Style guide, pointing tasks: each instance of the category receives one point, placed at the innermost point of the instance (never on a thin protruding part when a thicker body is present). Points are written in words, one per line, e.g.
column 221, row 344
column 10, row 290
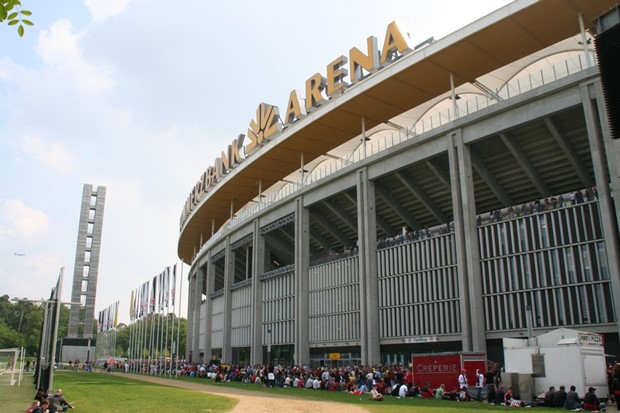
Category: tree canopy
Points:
column 13, row 14
column 21, row 321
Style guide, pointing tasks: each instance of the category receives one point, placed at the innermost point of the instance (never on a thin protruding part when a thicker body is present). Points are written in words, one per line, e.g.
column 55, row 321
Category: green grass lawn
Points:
column 105, row 393
column 17, row 398
column 389, row 404
column 98, row 393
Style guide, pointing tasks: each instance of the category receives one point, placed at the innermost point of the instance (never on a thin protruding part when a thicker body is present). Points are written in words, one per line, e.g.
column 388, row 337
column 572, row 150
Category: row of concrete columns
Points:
column 466, row 235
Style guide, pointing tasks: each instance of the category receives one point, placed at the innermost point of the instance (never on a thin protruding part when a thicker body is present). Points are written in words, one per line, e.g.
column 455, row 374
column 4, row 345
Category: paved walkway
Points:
column 255, row 402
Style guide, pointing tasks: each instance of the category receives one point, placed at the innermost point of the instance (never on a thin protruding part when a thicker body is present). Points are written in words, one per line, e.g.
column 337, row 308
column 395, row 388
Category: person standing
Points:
column 463, row 379
column 615, row 382
column 479, row 385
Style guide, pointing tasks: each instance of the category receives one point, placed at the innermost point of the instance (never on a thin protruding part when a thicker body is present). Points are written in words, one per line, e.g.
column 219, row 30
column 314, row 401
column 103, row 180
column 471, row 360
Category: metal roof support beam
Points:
column 288, row 236
column 422, row 196
column 320, row 239
column 383, row 224
column 490, row 180
column 281, row 249
column 395, row 205
column 569, row 152
column 525, row 164
column 342, row 214
column 331, row 228
column 443, row 177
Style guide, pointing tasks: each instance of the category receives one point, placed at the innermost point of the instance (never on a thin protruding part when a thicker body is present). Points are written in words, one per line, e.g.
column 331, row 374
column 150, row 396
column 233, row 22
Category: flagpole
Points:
column 180, row 305
column 166, row 313
column 173, row 346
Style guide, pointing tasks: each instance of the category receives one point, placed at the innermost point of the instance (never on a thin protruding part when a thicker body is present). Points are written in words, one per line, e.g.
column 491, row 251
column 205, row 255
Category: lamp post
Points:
column 49, row 333
column 268, row 347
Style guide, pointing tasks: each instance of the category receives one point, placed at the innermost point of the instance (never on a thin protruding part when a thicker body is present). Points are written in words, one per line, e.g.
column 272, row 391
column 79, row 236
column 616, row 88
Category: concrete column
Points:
column 198, row 292
column 191, row 308
column 209, row 270
column 466, row 238
column 302, row 284
column 258, row 267
column 600, row 139
column 369, row 286
column 228, row 278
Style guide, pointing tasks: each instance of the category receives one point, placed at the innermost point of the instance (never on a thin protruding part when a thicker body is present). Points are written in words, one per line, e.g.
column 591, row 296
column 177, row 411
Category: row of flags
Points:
column 154, row 295
column 108, row 318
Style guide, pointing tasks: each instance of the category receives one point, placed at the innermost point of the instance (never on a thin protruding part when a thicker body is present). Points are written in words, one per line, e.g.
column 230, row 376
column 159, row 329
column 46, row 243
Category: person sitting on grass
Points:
column 464, row 395
column 376, row 396
column 508, row 396
column 34, row 405
column 42, row 407
column 41, row 394
column 442, row 394
column 426, row 392
column 62, row 405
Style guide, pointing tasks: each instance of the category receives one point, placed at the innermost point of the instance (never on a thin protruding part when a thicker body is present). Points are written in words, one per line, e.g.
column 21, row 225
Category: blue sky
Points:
column 141, row 96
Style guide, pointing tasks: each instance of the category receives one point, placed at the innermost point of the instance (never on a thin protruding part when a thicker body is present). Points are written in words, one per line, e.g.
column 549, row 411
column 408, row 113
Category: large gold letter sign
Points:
column 266, row 124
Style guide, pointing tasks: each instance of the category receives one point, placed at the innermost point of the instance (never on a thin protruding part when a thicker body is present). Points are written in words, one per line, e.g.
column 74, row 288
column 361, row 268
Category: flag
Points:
column 167, row 286
column 174, row 282
column 132, row 308
column 153, row 294
column 115, row 318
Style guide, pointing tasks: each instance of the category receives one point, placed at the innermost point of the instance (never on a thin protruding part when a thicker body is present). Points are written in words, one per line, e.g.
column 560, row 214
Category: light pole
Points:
column 268, row 346
column 49, row 332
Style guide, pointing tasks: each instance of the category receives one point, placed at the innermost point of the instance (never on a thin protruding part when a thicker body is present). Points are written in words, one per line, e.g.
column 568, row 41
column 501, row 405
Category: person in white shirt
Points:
column 402, row 391
column 463, row 379
column 479, row 384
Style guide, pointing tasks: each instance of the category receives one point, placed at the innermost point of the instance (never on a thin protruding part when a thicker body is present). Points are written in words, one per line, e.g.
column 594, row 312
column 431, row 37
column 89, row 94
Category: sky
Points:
column 141, row 96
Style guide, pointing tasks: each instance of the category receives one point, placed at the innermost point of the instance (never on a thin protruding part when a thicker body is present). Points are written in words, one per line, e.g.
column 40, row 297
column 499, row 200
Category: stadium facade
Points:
column 416, row 199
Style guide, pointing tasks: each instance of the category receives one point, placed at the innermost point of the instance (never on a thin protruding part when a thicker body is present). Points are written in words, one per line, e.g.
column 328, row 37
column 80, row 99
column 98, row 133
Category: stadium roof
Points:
column 513, row 32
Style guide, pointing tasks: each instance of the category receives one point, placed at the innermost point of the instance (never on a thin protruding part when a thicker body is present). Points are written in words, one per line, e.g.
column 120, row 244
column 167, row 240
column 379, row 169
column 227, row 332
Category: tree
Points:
column 11, row 11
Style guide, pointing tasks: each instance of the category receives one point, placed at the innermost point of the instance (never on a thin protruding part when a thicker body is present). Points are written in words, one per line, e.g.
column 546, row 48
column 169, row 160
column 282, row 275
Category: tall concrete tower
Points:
column 87, row 263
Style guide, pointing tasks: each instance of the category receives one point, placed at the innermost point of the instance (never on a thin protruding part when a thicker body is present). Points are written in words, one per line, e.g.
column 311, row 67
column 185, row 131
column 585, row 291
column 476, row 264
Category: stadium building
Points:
column 416, row 199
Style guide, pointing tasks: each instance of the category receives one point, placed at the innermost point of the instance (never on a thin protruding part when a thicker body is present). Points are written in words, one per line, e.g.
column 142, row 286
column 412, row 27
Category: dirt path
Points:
column 251, row 401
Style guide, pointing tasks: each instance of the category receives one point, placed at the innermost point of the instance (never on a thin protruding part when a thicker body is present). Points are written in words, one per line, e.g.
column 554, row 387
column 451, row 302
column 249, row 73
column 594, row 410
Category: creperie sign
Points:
column 436, row 368
column 318, row 90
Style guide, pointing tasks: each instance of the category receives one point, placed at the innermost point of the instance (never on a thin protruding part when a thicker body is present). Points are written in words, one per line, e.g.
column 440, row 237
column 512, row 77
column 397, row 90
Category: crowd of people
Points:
column 407, row 236
column 397, row 381
column 45, row 402
column 377, row 382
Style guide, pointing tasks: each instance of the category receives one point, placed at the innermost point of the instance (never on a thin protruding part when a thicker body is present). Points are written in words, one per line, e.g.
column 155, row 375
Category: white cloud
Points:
column 59, row 48
column 102, row 9
column 51, row 154
column 21, row 222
